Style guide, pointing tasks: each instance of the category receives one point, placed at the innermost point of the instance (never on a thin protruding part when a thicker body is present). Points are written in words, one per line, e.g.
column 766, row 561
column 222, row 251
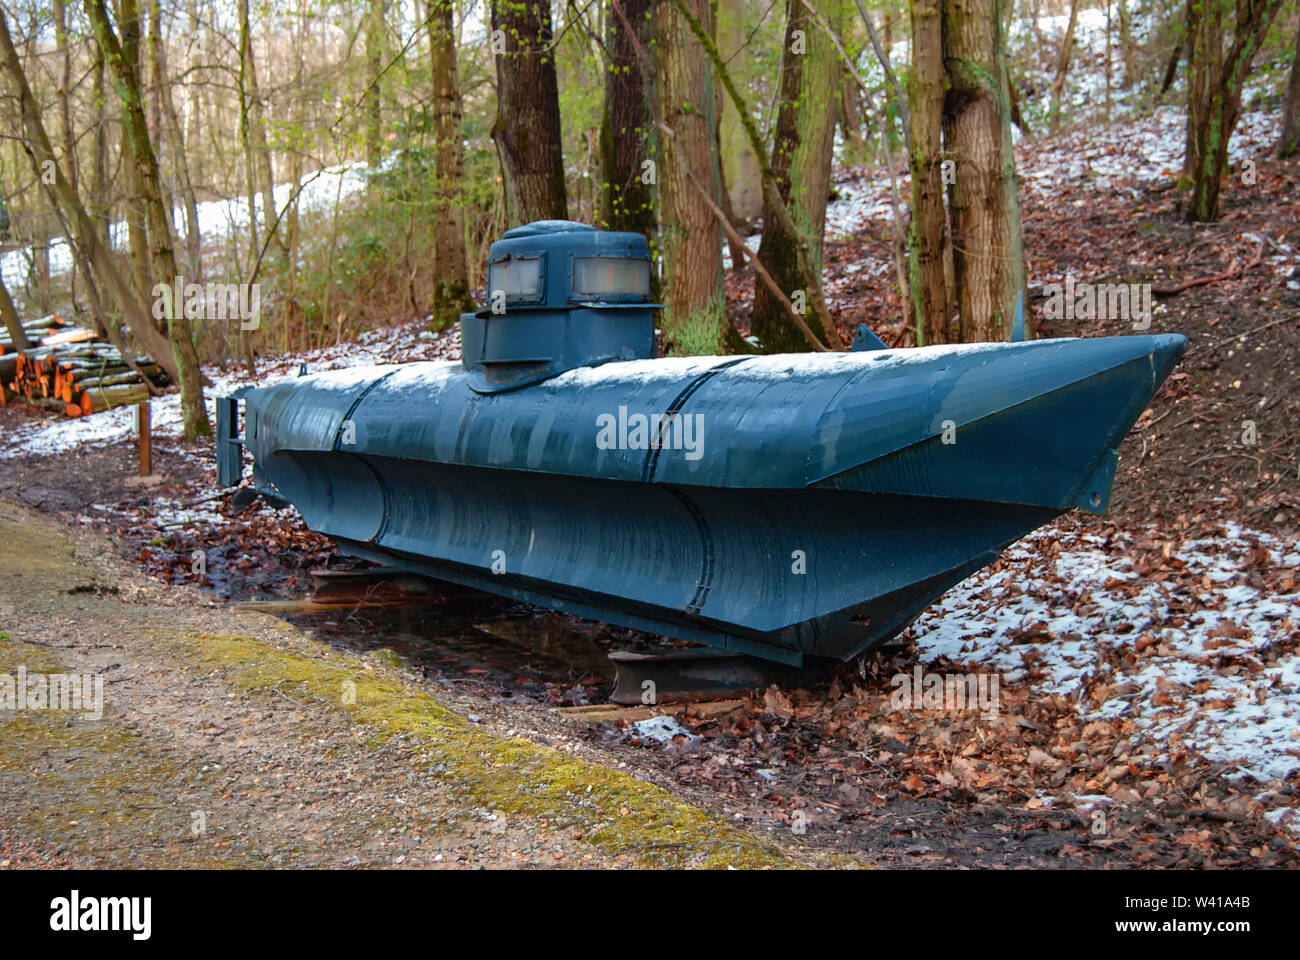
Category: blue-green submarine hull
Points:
column 779, row 506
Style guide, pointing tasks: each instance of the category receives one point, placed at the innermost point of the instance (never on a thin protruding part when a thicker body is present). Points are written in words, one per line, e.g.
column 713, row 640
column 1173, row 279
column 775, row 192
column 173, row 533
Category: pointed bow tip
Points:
column 1166, row 350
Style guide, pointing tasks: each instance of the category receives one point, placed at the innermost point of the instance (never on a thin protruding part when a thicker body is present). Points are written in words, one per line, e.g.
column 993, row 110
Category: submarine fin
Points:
column 864, row 339
column 1018, row 326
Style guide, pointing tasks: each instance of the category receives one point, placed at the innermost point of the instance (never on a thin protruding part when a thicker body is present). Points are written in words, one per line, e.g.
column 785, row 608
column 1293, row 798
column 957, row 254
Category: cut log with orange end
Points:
column 67, row 336
column 106, row 398
column 73, row 410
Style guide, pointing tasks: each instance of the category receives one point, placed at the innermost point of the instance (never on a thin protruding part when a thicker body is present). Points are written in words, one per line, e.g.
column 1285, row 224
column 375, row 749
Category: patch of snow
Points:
column 661, row 729
column 1211, row 670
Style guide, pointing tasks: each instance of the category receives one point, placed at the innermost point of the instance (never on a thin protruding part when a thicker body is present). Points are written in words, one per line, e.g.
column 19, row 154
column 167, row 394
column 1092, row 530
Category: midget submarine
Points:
column 784, row 507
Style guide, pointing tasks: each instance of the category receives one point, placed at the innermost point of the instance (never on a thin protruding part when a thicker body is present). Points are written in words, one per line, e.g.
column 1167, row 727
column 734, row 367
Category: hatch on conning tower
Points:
column 560, row 295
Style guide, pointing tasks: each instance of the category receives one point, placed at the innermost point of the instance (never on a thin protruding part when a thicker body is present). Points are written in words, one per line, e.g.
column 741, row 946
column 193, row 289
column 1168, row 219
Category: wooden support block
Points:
column 144, row 432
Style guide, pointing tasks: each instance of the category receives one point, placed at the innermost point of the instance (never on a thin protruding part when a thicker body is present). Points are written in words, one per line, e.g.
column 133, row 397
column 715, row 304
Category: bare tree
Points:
column 801, row 161
column 695, row 321
column 451, row 272
column 527, row 127
column 145, row 163
column 1063, row 64
column 1215, row 74
column 1289, row 142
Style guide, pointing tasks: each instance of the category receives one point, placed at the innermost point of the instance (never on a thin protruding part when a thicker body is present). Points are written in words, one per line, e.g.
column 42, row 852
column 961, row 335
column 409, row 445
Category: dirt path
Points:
column 228, row 739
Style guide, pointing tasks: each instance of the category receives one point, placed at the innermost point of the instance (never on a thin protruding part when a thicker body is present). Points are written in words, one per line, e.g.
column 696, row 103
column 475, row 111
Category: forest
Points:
column 924, row 281
column 352, row 162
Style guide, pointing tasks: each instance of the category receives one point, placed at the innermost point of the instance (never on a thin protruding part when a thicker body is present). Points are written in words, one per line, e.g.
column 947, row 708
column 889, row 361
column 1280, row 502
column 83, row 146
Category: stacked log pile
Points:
column 70, row 369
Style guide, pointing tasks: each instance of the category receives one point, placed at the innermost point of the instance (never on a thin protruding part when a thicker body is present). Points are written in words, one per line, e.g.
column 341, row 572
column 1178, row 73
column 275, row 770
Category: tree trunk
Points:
column 1063, row 64
column 695, row 321
column 527, row 127
column 144, row 160
column 172, row 126
column 65, row 79
column 137, row 236
column 771, row 195
column 1127, row 48
column 451, row 273
column 1171, row 69
column 988, row 254
column 374, row 63
column 246, row 148
column 1289, row 142
column 265, row 160
column 291, row 309
column 100, row 205
column 739, row 165
column 197, row 66
column 252, row 120
column 153, row 102
column 40, row 272
column 927, row 239
column 72, row 165
column 13, row 324
column 851, row 121
column 735, row 244
column 801, row 161
column 1039, row 46
column 1214, row 82
column 250, row 165
column 627, row 135
column 882, row 57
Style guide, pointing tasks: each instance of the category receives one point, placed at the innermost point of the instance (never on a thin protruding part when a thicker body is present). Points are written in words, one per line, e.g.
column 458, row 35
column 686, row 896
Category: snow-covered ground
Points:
column 1091, row 155
column 1216, row 669
column 1125, row 153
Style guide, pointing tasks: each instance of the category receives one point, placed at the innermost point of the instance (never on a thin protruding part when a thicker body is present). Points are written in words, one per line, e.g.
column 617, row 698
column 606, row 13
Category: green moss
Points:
column 613, row 810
